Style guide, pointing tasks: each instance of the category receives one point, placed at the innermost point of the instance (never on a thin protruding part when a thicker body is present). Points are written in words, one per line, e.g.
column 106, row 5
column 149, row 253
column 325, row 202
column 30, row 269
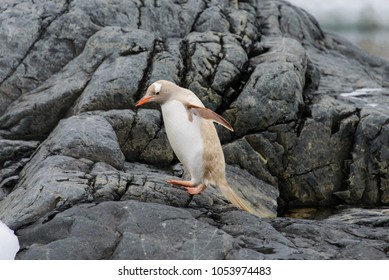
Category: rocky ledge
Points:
column 82, row 171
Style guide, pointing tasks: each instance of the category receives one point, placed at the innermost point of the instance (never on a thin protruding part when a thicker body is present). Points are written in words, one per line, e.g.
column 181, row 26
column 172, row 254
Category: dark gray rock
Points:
column 177, row 20
column 21, row 54
column 50, row 35
column 261, row 195
column 9, row 175
column 139, row 230
column 334, row 125
column 90, row 137
column 141, row 135
column 13, row 156
column 83, row 171
column 214, row 62
column 148, row 184
column 212, row 19
column 280, row 17
column 37, row 112
column 367, row 217
column 242, row 153
column 273, row 93
column 126, row 230
column 15, row 149
column 370, row 160
column 55, row 182
column 138, row 182
column 168, row 61
column 334, row 239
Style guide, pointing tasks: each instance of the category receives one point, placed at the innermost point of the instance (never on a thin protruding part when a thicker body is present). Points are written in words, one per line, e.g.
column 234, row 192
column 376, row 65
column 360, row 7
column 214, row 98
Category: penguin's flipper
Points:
column 209, row 115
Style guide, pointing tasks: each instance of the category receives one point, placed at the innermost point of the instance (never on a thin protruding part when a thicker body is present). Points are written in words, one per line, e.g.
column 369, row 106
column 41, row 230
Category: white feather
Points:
column 9, row 243
column 157, row 87
column 184, row 137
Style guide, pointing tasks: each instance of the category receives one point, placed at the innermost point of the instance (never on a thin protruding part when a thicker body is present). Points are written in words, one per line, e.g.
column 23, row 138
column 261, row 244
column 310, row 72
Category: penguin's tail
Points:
column 239, row 202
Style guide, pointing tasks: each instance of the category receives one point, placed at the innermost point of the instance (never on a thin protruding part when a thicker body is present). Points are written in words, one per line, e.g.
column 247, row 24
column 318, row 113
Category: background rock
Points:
column 80, row 164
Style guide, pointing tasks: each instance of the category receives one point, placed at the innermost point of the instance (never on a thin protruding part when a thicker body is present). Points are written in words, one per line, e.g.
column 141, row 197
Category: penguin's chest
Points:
column 185, row 137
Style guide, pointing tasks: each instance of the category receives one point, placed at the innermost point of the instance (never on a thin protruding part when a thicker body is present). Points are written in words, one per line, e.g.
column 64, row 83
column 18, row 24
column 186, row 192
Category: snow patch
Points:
column 9, row 243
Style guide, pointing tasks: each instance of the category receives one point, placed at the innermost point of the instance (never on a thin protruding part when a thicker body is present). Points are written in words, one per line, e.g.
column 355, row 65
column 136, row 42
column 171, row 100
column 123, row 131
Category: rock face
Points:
column 82, row 171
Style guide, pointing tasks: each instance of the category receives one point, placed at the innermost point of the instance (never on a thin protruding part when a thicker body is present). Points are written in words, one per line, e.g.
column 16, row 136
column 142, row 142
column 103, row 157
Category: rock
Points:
column 57, row 174
column 242, row 153
column 336, row 239
column 243, row 23
column 56, row 182
column 370, row 160
column 334, row 124
column 90, row 137
column 143, row 183
column 212, row 19
column 29, row 21
column 13, row 156
column 83, row 171
column 367, row 217
column 9, row 175
column 138, row 230
column 262, row 196
column 150, row 185
column 15, row 149
column 215, row 62
column 273, row 93
column 37, row 112
column 168, row 61
column 177, row 21
column 142, row 136
column 128, row 230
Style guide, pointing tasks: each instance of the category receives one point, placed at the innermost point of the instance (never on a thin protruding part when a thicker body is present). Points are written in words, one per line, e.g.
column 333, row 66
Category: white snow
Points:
column 9, row 243
column 360, row 92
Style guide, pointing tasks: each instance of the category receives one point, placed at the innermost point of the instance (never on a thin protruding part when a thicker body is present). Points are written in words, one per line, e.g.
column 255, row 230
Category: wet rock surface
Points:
column 82, row 171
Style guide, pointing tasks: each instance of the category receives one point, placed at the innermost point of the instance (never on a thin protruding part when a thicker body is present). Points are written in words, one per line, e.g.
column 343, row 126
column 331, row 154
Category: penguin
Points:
column 193, row 137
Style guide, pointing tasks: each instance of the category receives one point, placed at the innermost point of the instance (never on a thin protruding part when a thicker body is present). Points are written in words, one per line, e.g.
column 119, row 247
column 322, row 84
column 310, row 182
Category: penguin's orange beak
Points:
column 144, row 100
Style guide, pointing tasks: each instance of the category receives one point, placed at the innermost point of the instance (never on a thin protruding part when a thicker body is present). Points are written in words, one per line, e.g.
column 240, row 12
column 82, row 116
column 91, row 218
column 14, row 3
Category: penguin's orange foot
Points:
column 195, row 190
column 184, row 184
column 188, row 185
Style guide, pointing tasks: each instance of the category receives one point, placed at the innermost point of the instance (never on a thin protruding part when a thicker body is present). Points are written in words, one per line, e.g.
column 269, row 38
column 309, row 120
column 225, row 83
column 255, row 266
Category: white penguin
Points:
column 193, row 137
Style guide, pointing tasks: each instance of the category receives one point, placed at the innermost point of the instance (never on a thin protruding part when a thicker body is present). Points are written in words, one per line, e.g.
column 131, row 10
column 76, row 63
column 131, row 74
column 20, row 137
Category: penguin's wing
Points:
column 207, row 114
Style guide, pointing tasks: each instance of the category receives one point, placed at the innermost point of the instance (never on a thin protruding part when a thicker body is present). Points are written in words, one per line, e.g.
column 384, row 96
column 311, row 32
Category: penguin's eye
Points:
column 157, row 92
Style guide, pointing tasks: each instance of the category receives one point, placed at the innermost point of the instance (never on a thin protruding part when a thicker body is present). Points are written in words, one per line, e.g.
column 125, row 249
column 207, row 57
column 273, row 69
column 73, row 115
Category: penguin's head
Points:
column 159, row 92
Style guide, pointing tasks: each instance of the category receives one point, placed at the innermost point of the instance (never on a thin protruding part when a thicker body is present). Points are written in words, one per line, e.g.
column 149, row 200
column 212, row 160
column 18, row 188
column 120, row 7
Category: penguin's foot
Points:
column 188, row 185
column 184, row 184
column 195, row 190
